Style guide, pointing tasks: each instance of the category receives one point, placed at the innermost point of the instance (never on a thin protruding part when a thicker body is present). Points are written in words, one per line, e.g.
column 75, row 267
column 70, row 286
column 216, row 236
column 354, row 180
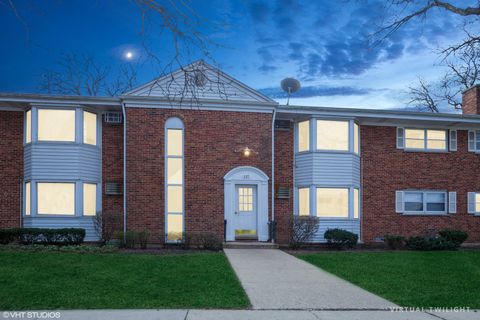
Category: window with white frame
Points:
column 425, row 202
column 332, row 202
column 89, row 199
column 304, row 201
column 332, row 135
column 356, row 203
column 27, row 198
column 89, row 128
column 426, row 139
column 56, row 198
column 304, row 136
column 474, row 140
column 356, row 138
column 28, row 126
column 174, row 180
column 56, row 125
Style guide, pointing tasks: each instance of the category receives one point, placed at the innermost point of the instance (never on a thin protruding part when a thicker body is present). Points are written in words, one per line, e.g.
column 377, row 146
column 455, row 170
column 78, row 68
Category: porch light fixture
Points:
column 246, row 151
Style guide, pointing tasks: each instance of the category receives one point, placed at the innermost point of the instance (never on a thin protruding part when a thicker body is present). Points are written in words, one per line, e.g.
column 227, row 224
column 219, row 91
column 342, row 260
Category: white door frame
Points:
column 246, row 175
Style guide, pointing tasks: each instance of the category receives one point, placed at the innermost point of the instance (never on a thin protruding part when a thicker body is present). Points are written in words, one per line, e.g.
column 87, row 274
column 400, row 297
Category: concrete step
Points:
column 249, row 245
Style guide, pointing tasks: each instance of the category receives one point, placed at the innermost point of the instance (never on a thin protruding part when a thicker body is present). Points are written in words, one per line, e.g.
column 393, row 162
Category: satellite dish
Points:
column 290, row 85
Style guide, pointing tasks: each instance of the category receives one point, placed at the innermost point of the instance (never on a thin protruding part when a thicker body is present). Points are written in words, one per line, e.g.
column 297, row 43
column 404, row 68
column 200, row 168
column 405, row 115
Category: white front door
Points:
column 245, row 218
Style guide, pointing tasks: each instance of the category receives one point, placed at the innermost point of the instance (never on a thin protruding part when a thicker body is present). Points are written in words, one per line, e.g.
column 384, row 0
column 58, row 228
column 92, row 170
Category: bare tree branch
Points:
column 423, row 97
column 82, row 75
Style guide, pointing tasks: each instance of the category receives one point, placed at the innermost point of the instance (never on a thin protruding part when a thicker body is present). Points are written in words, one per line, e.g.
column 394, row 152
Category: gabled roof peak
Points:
column 199, row 81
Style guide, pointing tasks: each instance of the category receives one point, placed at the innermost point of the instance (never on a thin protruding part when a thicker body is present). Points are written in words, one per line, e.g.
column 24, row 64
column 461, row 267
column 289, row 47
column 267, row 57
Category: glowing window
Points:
column 56, row 198
column 332, row 202
column 89, row 128
column 332, row 135
column 304, row 136
column 56, row 125
column 89, row 199
column 28, row 126
column 304, row 201
column 27, row 198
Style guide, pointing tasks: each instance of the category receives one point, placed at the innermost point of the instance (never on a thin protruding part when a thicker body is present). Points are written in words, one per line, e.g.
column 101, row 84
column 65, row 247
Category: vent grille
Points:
column 113, row 117
column 113, row 188
column 283, row 125
column 282, row 192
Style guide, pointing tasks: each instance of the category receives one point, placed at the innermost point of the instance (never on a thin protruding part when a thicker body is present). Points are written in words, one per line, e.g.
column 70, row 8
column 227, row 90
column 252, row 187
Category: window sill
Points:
column 425, row 151
column 425, row 214
column 56, row 216
column 328, row 152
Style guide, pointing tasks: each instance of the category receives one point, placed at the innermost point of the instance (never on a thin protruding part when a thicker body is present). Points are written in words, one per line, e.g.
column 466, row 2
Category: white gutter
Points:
column 273, row 168
column 124, row 114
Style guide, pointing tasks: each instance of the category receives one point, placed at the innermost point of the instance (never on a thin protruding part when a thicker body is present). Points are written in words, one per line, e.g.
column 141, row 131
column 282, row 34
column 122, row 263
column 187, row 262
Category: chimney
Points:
column 471, row 100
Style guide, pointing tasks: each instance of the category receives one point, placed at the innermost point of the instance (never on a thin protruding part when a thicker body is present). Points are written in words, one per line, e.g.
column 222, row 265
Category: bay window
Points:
column 89, row 199
column 356, row 203
column 304, row 136
column 332, row 135
column 28, row 126
column 89, row 128
column 304, row 201
column 56, row 198
column 27, row 198
column 56, row 125
column 332, row 202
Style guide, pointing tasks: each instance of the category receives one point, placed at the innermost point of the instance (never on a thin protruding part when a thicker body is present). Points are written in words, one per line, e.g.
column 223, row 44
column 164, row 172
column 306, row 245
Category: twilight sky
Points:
column 325, row 44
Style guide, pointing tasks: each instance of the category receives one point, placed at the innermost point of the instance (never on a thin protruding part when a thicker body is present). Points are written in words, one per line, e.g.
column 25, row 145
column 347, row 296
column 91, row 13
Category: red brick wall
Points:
column 284, row 176
column 112, row 171
column 211, row 138
column 387, row 169
column 11, row 167
column 471, row 101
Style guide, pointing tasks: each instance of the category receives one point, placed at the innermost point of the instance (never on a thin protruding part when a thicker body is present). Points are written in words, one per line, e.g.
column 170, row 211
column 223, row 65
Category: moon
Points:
column 129, row 55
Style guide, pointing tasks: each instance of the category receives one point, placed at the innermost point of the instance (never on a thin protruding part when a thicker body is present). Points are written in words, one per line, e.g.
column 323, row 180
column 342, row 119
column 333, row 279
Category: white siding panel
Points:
column 62, row 162
column 325, row 168
column 64, row 222
column 345, row 224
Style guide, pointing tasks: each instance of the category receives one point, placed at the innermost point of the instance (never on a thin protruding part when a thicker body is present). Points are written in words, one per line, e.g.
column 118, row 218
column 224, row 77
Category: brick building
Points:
column 200, row 152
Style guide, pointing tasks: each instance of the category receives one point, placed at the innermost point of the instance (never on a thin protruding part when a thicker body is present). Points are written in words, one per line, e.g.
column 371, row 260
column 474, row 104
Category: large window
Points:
column 56, row 125
column 425, row 139
column 174, row 179
column 332, row 202
column 425, row 202
column 89, row 128
column 332, row 135
column 56, row 198
column 89, row 199
column 304, row 136
column 304, row 201
column 28, row 126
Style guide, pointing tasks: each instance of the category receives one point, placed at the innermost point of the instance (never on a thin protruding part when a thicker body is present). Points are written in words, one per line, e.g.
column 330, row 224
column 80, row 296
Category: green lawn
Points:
column 410, row 278
column 90, row 281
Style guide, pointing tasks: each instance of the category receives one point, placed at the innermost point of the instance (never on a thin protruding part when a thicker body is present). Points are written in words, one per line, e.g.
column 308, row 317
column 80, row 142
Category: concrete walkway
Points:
column 274, row 279
column 237, row 315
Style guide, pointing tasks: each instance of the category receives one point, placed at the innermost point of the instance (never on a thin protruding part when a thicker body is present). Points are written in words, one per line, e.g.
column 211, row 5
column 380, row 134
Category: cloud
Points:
column 318, row 91
column 332, row 39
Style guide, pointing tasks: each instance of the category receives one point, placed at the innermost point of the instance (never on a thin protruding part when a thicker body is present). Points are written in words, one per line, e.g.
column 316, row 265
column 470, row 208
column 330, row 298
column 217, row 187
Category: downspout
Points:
column 273, row 170
column 124, row 114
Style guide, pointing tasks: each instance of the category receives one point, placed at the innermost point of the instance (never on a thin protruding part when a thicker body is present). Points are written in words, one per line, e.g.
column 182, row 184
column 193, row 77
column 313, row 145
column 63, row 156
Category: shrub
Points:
column 206, row 241
column 456, row 236
column 8, row 235
column 394, row 241
column 65, row 236
column 340, row 239
column 426, row 243
column 143, row 237
column 54, row 248
column 106, row 225
column 302, row 230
